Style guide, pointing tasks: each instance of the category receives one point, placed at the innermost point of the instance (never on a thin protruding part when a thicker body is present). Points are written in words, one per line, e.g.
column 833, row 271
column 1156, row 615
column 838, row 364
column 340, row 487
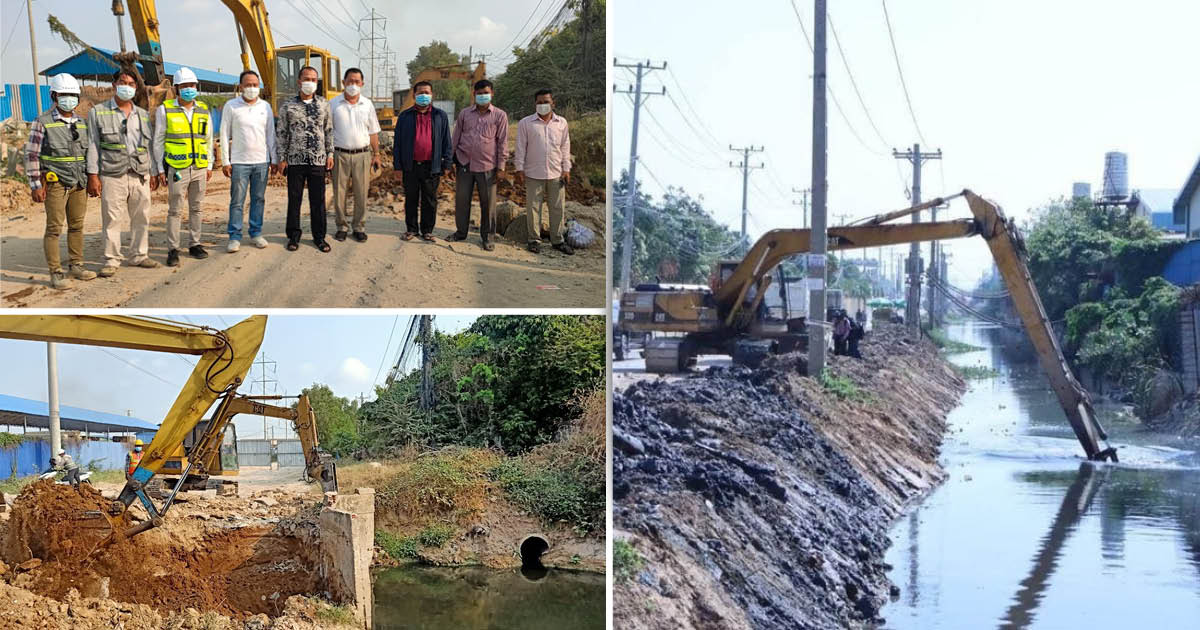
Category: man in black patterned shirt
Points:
column 304, row 142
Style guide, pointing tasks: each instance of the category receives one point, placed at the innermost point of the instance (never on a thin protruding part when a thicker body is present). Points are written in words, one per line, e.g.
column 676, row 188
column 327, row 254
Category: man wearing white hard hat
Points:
column 54, row 163
column 118, row 166
column 183, row 160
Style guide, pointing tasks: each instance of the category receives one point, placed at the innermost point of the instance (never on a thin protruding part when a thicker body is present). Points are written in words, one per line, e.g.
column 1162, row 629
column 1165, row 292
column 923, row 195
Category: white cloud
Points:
column 486, row 35
column 352, row 378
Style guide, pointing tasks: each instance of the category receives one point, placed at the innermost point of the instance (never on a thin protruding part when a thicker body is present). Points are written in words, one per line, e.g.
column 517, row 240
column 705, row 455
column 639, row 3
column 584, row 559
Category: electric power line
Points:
column 395, row 320
column 854, row 84
column 135, row 366
column 508, row 48
column 896, row 55
column 8, row 40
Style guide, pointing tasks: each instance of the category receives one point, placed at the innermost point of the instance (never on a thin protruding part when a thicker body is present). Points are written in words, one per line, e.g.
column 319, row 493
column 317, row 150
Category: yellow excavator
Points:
column 279, row 67
column 729, row 316
column 225, row 357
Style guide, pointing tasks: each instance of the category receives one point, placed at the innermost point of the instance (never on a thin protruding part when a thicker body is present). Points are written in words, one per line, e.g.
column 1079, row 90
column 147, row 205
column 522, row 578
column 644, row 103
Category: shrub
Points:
column 396, row 547
column 841, row 386
column 436, row 535
column 626, row 561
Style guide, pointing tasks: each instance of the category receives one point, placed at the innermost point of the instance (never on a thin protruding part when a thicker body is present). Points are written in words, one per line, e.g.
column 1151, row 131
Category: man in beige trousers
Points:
column 544, row 156
column 118, row 167
column 183, row 146
column 355, row 141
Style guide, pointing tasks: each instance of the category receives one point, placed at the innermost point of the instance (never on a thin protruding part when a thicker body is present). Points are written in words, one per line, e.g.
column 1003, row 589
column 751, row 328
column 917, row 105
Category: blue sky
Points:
column 201, row 32
column 1024, row 97
column 345, row 352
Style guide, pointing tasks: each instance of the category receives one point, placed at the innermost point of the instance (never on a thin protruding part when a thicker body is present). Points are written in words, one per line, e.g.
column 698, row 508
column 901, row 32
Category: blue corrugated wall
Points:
column 33, row 456
column 29, row 107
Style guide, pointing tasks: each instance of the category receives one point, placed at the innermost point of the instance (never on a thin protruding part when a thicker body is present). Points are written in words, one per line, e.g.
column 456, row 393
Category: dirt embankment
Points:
column 761, row 498
column 228, row 561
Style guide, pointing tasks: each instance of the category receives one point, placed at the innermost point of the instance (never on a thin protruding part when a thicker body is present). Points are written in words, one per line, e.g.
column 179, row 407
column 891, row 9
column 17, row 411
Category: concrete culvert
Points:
column 532, row 548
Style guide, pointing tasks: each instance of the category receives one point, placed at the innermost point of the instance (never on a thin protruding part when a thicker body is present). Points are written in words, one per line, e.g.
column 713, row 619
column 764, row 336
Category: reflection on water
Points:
column 1023, row 535
column 469, row 598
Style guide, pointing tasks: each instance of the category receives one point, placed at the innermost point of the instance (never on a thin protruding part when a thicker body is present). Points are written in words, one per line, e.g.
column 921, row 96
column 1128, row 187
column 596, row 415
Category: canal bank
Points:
column 762, row 498
column 1023, row 534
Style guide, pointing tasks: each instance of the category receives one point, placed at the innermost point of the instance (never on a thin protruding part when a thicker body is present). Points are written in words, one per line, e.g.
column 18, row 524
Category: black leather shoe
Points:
column 487, row 245
column 534, row 247
column 564, row 248
column 173, row 258
column 340, row 236
column 197, row 251
column 361, row 237
column 455, row 237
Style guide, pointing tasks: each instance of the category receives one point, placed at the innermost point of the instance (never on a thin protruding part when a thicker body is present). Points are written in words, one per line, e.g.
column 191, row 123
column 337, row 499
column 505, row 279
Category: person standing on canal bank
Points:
column 544, row 155
column 183, row 142
column 419, row 153
column 355, row 141
column 247, row 153
column 480, row 144
column 304, row 142
column 118, row 166
column 58, row 142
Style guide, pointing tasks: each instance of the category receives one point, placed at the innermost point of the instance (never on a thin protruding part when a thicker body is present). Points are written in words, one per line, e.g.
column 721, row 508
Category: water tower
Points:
column 1116, row 175
column 1081, row 190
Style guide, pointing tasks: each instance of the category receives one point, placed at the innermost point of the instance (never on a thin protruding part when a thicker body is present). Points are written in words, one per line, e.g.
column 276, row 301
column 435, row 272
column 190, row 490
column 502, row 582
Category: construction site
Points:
column 390, row 271
column 201, row 534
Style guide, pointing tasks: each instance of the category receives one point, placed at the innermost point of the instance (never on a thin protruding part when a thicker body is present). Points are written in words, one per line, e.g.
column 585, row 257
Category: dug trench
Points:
column 761, row 498
column 241, row 565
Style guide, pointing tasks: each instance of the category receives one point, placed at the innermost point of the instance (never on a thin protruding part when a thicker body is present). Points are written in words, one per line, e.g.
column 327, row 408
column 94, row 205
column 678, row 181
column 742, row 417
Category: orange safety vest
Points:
column 132, row 460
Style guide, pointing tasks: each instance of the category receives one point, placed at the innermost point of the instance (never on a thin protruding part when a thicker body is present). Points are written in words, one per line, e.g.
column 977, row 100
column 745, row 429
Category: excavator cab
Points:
column 288, row 62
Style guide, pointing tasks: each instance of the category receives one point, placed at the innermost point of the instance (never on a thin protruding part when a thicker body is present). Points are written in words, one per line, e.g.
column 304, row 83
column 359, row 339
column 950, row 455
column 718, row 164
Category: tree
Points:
column 437, row 54
column 337, row 419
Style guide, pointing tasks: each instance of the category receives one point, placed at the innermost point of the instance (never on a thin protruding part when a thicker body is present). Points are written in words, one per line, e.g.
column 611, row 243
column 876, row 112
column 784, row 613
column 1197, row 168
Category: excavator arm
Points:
column 225, row 357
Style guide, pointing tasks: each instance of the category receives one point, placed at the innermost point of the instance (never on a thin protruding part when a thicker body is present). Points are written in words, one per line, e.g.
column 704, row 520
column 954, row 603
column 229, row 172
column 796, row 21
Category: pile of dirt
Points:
column 14, row 197
column 761, row 498
column 241, row 568
column 510, row 186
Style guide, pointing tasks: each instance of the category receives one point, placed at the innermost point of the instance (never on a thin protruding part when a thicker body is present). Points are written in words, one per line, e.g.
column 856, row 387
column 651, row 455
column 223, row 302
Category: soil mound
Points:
column 48, row 522
column 761, row 498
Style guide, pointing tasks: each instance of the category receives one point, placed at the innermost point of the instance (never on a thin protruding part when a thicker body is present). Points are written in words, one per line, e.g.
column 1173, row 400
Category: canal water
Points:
column 1024, row 534
column 479, row 598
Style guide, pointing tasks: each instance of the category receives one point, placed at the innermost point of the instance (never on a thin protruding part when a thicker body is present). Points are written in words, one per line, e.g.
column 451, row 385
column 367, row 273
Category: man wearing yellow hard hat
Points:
column 54, row 162
column 133, row 459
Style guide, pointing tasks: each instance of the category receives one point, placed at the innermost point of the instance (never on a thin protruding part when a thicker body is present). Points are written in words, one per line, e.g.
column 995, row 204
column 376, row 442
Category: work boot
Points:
column 79, row 273
column 198, row 251
column 58, row 280
column 147, row 263
column 564, row 248
column 173, row 258
column 108, row 271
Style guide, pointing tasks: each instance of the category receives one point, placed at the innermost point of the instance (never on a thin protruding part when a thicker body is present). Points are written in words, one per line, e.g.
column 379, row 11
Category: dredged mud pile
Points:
column 761, row 498
column 239, row 568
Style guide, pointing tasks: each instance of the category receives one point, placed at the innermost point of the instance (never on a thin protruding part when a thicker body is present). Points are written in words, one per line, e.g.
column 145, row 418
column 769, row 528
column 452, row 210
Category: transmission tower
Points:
column 266, row 376
column 371, row 38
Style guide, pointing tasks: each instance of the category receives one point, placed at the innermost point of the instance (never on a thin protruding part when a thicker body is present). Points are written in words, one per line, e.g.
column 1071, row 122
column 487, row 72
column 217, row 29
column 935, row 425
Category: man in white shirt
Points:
column 355, row 141
column 247, row 155
column 183, row 161
column 544, row 156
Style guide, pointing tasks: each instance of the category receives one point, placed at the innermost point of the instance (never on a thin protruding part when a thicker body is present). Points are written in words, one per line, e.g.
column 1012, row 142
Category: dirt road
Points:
column 383, row 272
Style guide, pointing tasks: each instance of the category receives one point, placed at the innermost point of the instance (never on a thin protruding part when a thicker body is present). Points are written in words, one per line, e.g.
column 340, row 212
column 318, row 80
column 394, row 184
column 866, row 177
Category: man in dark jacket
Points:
column 421, row 148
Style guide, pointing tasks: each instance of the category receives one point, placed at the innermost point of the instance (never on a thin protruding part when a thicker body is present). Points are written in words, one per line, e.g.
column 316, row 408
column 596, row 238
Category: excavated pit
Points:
column 231, row 565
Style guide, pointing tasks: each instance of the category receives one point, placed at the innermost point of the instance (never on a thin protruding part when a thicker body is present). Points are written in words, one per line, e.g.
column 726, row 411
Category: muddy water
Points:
column 470, row 598
column 1025, row 535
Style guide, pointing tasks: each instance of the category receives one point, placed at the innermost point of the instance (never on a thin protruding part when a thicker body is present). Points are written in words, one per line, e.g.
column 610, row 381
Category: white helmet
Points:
column 64, row 84
column 62, row 451
column 185, row 75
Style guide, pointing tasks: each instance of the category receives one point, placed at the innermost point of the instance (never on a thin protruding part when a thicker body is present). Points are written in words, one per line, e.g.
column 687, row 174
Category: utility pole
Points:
column 118, row 10
column 819, row 237
column 912, row 310
column 746, row 168
column 426, row 366
column 935, row 271
column 627, row 242
column 841, row 217
column 37, row 88
column 52, row 397
column 803, row 202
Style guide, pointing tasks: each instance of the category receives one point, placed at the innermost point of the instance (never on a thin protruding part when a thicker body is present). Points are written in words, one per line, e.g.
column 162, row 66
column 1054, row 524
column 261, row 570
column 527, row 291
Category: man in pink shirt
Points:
column 544, row 155
column 480, row 145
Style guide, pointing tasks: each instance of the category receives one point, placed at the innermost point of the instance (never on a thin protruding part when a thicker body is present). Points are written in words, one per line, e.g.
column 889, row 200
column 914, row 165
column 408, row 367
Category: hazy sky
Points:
column 201, row 33
column 345, row 352
column 1023, row 97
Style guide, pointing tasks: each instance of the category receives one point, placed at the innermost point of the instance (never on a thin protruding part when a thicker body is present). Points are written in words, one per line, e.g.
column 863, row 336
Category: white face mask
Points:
column 353, row 90
column 67, row 103
column 543, row 108
column 308, row 87
column 250, row 93
column 126, row 92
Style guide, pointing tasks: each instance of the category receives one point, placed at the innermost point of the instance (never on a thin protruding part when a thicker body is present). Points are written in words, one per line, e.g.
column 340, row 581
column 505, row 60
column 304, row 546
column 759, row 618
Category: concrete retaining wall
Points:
column 347, row 545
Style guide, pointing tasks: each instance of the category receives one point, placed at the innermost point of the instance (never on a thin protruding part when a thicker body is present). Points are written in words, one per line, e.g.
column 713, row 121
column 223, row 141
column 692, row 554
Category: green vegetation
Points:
column 975, row 372
column 9, row 440
column 396, row 547
column 842, row 386
column 451, row 484
column 948, row 345
column 337, row 419
column 674, row 239
column 214, row 101
column 437, row 54
column 1098, row 268
column 336, row 614
column 436, row 535
column 14, row 485
column 626, row 561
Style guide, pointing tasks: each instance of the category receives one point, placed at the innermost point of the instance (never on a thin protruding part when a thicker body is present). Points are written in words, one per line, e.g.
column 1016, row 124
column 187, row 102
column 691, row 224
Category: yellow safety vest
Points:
column 186, row 142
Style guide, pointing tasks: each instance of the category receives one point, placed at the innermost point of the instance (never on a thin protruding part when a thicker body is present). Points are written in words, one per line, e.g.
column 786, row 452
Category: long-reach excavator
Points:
column 729, row 317
column 225, row 357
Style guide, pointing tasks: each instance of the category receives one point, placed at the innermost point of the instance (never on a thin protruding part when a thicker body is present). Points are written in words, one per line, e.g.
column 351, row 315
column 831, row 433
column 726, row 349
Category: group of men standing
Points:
column 117, row 154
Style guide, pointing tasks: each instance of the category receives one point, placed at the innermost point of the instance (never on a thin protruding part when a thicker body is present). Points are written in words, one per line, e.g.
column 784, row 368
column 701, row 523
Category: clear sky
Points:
column 201, row 33
column 350, row 353
column 1023, row 97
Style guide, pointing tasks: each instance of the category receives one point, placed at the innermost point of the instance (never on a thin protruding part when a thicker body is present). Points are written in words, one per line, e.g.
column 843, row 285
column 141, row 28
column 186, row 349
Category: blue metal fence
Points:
column 33, row 456
column 24, row 92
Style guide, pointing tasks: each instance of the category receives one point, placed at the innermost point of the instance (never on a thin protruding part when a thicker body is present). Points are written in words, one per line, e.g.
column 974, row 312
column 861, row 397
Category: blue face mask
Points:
column 424, row 100
column 188, row 94
column 483, row 99
column 126, row 92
